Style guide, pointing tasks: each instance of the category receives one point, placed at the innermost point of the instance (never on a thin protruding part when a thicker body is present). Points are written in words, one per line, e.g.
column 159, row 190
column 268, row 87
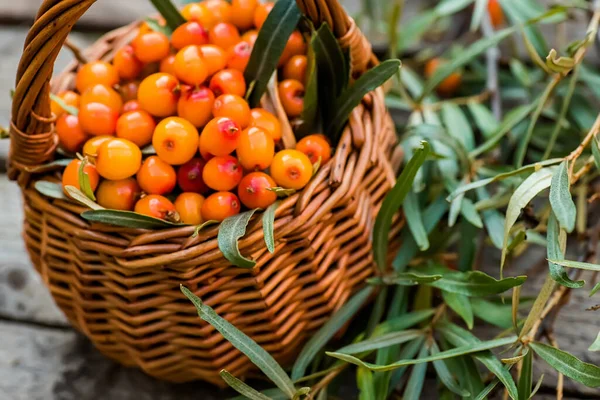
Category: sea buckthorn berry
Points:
column 255, row 149
column 315, row 147
column 157, row 206
column 98, row 119
column 146, row 28
column 250, row 37
column 496, row 13
column 137, row 126
column 104, row 95
column 190, row 66
column 263, row 119
column 449, row 85
column 175, row 140
column 214, row 57
column 190, row 33
column 242, row 13
column 118, row 159
column 228, row 81
column 254, row 192
column 158, row 94
column 196, row 106
column 291, row 169
column 131, row 105
column 239, row 55
column 233, row 107
column 126, row 63
column 198, row 12
column 219, row 206
column 90, row 148
column 219, row 137
column 261, row 13
column 118, row 195
column 129, row 90
column 295, row 68
column 151, row 46
column 224, row 35
column 156, row 176
column 68, row 97
column 189, row 207
column 167, row 65
column 70, row 176
column 189, row 176
column 70, row 134
column 219, row 9
column 294, row 46
column 222, row 173
column 291, row 93
column 96, row 72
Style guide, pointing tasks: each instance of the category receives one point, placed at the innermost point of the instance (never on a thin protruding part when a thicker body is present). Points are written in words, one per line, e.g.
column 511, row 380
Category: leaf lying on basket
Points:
column 269, row 45
column 169, row 12
column 84, row 180
column 282, row 192
column 568, row 365
column 50, row 189
column 202, row 226
column 230, row 232
column 51, row 166
column 242, row 388
column 69, row 109
column 127, row 219
column 268, row 220
column 80, row 197
column 243, row 343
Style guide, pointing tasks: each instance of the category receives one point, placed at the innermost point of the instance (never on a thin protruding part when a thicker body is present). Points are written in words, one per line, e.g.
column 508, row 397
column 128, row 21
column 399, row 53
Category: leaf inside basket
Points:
column 50, row 189
column 127, row 219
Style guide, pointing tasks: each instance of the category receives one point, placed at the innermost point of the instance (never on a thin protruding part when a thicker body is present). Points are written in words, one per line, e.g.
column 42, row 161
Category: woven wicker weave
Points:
column 120, row 286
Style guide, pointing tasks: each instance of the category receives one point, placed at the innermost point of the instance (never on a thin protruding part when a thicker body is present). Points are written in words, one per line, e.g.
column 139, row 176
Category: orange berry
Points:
column 118, row 159
column 136, row 126
column 291, row 93
column 219, row 9
column 228, row 81
column 131, row 105
column 96, row 72
column 70, row 134
column 157, row 206
column 219, row 206
column 255, row 149
column 175, row 140
column 145, row 27
column 224, row 35
column 199, row 13
column 118, row 195
column 189, row 176
column 190, row 33
column 250, row 36
column 315, row 147
column 68, row 97
column 294, row 46
column 263, row 119
column 70, row 176
column 156, row 176
column 98, row 119
column 102, row 94
column 242, row 13
column 90, row 148
column 295, row 68
column 291, row 169
column 496, row 13
column 214, row 57
column 261, row 13
column 151, row 47
column 219, row 137
column 189, row 207
column 233, row 107
column 449, row 85
column 190, row 66
column 167, row 65
column 222, row 173
column 129, row 90
column 239, row 55
column 196, row 106
column 158, row 94
column 126, row 63
column 254, row 192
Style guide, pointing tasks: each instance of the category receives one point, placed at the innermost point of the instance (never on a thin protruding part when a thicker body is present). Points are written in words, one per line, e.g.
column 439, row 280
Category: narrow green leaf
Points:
column 596, row 345
column 268, row 220
column 310, row 111
column 126, row 219
column 269, row 45
column 403, row 321
column 538, row 305
column 409, row 351
column 568, row 365
column 392, row 202
column 78, row 195
column 483, row 118
column 519, row 71
column 457, row 125
column 169, row 13
column 449, row 7
column 596, row 152
column 467, row 245
column 243, row 343
column 595, row 289
column 537, row 386
column 493, row 221
column 444, row 373
column 202, row 226
column 461, row 305
column 230, row 232
column 50, row 189
column 240, row 387
column 492, row 313
column 412, row 213
column 155, row 25
column 404, row 279
column 364, row 380
column 84, row 181
column 69, row 109
column 515, row 359
column 382, row 341
column 577, row 264
column 414, row 386
column 556, row 240
column 323, row 335
column 455, row 207
column 560, row 198
column 526, row 377
column 469, row 212
column 51, row 166
column 514, row 307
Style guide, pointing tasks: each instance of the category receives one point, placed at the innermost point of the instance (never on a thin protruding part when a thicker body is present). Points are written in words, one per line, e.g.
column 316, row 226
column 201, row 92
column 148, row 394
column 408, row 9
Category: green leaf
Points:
column 577, row 264
column 268, row 220
column 382, row 341
column 310, row 111
column 537, row 386
column 78, row 195
column 595, row 289
column 526, row 377
column 51, row 166
column 403, row 321
column 364, row 380
column 241, row 387
column 202, row 226
column 596, row 345
column 478, row 13
column 155, row 25
column 282, row 193
column 404, row 279
column 391, row 204
column 69, row 109
column 323, row 335
column 126, row 219
column 412, row 213
column 596, row 152
column 519, row 71
column 243, row 343
column 555, row 250
column 414, row 386
column 457, row 125
column 461, row 305
column 492, row 313
column 169, row 13
column 493, row 221
column 455, row 207
column 515, row 359
column 560, row 198
column 50, row 189
column 449, row 7
column 568, row 365
column 269, row 45
column 538, row 305
column 531, row 187
column 84, row 181
column 469, row 212
column 444, row 373
column 232, row 229
column 483, row 118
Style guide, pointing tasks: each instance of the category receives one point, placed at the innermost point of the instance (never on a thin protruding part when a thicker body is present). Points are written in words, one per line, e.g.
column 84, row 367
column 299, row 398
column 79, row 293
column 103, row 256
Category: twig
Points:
column 588, row 138
column 76, row 51
column 459, row 101
column 492, row 55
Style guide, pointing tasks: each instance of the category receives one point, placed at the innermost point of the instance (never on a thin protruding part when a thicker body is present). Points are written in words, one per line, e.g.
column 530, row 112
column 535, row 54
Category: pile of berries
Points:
column 183, row 99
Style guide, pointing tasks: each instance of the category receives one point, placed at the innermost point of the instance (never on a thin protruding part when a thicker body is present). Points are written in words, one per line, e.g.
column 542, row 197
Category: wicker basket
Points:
column 120, row 286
